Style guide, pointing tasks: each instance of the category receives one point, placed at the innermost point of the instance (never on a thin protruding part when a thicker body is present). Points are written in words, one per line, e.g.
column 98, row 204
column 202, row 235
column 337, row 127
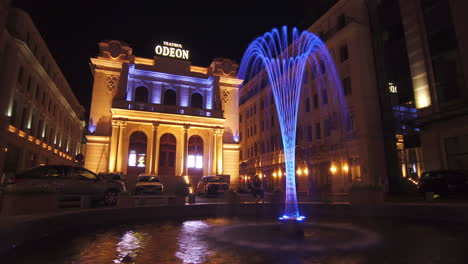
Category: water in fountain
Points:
column 284, row 57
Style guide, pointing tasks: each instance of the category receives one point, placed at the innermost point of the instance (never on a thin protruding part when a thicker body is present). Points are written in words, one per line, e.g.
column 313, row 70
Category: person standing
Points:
column 257, row 189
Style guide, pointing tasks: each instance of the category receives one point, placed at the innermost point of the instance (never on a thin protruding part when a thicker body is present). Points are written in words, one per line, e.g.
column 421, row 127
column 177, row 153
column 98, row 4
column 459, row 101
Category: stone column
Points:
column 184, row 158
column 153, row 160
column 219, row 151
column 120, row 157
column 113, row 145
column 214, row 159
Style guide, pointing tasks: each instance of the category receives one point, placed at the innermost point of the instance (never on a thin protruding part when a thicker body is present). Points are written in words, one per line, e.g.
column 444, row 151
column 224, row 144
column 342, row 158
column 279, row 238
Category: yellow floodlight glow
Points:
column 306, row 171
column 299, row 171
column 333, row 169
column 345, row 168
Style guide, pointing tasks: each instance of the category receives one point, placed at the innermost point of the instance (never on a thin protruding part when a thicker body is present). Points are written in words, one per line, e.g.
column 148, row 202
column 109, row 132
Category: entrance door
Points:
column 167, row 152
column 136, row 158
column 195, row 159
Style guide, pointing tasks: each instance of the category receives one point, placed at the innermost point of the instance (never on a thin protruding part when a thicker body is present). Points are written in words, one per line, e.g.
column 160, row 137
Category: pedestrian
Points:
column 257, row 189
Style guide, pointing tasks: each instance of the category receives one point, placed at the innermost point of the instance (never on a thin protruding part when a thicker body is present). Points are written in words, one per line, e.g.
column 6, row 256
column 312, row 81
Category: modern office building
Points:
column 41, row 119
column 330, row 154
column 162, row 115
column 436, row 39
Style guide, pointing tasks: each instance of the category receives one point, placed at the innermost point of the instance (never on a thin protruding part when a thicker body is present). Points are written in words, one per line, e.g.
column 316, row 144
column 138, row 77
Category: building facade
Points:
column 436, row 37
column 41, row 119
column 330, row 155
column 162, row 116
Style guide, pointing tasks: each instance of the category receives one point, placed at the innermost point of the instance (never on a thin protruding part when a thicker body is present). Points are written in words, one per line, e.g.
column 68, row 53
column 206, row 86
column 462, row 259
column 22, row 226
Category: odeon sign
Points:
column 173, row 50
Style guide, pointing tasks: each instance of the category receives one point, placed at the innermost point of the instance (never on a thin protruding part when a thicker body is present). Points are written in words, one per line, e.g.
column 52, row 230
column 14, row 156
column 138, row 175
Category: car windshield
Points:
column 216, row 179
column 148, row 179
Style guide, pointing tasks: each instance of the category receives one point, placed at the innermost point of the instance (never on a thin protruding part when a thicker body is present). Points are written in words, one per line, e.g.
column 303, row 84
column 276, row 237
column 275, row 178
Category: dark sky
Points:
column 209, row 29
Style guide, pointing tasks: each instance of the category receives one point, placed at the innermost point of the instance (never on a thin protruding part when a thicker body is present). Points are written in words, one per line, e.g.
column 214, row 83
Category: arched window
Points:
column 195, row 152
column 196, row 101
column 141, row 94
column 167, row 151
column 137, row 150
column 170, row 97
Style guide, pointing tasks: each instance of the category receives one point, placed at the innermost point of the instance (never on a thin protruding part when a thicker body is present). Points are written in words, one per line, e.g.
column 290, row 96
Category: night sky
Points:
column 72, row 29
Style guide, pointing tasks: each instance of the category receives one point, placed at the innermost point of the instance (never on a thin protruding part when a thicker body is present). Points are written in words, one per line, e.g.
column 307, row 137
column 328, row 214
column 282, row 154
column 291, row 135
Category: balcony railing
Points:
column 170, row 109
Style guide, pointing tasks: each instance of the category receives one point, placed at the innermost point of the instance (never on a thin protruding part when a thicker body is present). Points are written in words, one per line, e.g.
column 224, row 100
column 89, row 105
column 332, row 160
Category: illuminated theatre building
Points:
column 163, row 116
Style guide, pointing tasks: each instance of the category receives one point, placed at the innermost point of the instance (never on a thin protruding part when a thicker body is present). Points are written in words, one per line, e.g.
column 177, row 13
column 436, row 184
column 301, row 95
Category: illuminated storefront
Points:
column 162, row 116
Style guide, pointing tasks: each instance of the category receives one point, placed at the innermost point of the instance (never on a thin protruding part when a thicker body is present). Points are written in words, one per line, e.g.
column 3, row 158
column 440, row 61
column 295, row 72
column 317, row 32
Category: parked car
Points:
column 444, row 182
column 116, row 177
column 212, row 185
column 148, row 184
column 68, row 181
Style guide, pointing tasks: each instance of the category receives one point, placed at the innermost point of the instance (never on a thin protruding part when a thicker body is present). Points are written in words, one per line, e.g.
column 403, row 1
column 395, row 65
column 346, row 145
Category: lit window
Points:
column 195, row 161
column 199, row 162
column 191, row 161
column 132, row 158
column 141, row 160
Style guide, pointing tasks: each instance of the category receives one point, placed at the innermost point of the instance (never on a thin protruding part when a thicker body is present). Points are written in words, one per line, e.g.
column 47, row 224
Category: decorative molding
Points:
column 155, row 126
column 111, row 83
column 115, row 123
column 225, row 95
column 123, row 123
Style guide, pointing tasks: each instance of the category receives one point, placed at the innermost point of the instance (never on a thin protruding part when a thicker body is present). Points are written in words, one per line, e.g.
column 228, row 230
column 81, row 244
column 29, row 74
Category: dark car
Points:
column 444, row 182
column 115, row 177
column 212, row 185
column 68, row 181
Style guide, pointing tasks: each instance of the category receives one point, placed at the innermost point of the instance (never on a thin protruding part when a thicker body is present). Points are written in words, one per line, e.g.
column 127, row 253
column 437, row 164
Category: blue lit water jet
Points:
column 284, row 57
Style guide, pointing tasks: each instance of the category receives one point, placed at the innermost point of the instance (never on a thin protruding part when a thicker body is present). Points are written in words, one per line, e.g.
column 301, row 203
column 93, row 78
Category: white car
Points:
column 148, row 184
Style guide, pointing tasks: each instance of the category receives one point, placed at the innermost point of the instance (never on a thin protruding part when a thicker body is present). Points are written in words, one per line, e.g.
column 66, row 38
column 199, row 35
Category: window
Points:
column 349, row 122
column 343, row 53
column 141, row 160
column 132, row 158
column 240, row 118
column 346, row 86
column 196, row 100
column 324, row 96
column 82, row 174
column 170, row 97
column 318, row 131
column 141, row 94
column 327, row 127
column 309, row 133
column 272, row 121
column 307, row 104
column 171, row 159
column 316, row 104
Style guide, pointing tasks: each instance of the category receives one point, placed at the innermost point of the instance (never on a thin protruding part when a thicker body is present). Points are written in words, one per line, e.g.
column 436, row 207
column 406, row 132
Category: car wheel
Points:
column 110, row 198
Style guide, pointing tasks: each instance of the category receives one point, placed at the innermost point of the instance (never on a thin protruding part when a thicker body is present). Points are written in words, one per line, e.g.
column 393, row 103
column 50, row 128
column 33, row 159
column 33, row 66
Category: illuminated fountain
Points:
column 284, row 57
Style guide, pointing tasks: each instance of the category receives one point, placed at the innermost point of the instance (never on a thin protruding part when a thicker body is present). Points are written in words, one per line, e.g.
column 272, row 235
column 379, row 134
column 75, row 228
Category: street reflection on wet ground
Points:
column 187, row 241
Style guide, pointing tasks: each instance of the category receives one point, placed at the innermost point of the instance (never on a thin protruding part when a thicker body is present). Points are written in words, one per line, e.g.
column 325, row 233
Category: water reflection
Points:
column 129, row 246
column 192, row 248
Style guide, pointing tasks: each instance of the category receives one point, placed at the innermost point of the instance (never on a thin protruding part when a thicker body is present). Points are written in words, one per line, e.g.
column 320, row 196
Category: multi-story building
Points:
column 329, row 153
column 436, row 40
column 162, row 115
column 41, row 119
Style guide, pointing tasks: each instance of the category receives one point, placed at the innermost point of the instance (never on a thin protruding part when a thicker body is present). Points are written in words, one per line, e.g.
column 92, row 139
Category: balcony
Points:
column 169, row 109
